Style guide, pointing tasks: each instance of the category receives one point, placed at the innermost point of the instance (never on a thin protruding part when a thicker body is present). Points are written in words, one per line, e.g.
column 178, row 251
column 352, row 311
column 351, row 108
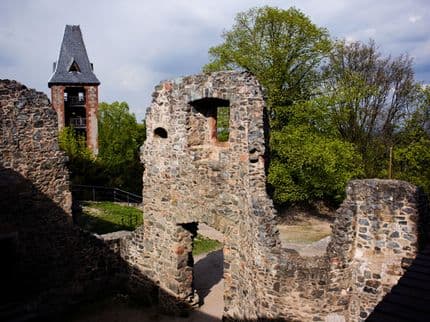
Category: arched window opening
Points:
column 160, row 133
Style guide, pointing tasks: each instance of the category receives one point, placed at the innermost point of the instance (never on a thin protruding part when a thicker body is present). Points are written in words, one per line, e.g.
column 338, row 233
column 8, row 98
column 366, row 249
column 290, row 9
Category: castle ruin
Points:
column 192, row 176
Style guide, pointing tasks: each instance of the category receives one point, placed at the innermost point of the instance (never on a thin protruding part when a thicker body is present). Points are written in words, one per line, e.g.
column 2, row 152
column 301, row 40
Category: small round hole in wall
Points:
column 160, row 133
column 253, row 155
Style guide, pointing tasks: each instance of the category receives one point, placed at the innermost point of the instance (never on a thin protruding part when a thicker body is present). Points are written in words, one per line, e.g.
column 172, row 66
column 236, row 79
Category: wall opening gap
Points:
column 223, row 123
column 208, row 268
column 212, row 118
column 74, row 109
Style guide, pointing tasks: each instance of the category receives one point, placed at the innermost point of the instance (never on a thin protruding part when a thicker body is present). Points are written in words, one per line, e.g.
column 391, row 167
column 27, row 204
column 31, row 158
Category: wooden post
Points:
column 390, row 163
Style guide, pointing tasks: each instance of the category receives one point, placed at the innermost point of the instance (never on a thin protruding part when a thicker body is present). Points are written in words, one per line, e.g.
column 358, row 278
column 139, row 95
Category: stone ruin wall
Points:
column 374, row 238
column 382, row 237
column 47, row 262
column 29, row 141
column 192, row 178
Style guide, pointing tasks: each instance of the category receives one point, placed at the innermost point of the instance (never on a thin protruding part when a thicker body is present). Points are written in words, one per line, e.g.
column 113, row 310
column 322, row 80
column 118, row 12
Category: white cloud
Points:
column 135, row 44
column 414, row 18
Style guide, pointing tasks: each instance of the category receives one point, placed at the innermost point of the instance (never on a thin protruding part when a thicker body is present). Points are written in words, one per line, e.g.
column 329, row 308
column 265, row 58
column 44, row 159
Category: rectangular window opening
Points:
column 222, row 123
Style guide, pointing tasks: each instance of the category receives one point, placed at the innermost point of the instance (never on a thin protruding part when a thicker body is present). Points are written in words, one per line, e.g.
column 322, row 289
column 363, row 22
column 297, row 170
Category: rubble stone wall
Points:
column 29, row 141
column 190, row 178
column 47, row 262
column 382, row 218
column 374, row 237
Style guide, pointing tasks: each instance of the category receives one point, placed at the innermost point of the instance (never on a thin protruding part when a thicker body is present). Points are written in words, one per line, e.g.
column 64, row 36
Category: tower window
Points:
column 74, row 67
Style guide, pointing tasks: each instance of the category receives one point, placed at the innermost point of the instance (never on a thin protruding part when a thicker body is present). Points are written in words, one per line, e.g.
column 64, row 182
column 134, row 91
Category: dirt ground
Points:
column 306, row 233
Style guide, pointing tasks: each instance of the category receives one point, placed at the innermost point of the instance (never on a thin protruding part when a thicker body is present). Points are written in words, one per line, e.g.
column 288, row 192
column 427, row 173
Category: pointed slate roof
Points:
column 73, row 66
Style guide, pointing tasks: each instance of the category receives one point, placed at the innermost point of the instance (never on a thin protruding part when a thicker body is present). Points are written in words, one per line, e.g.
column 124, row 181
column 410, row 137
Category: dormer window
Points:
column 74, row 67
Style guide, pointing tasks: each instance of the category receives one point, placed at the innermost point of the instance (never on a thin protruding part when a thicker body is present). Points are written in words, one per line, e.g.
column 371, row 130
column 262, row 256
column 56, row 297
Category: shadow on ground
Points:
column 208, row 271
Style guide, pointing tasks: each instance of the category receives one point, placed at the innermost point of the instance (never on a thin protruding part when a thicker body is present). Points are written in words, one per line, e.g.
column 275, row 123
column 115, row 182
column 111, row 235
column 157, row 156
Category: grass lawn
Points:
column 106, row 217
column 205, row 245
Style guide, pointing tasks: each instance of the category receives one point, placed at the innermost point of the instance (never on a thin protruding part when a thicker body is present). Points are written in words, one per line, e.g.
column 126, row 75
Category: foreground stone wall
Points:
column 375, row 235
column 29, row 141
column 47, row 262
column 191, row 177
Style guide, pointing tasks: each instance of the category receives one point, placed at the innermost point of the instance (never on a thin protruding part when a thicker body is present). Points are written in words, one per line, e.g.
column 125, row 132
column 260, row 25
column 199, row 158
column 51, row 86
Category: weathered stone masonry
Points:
column 191, row 178
column 47, row 262
column 374, row 238
column 29, row 141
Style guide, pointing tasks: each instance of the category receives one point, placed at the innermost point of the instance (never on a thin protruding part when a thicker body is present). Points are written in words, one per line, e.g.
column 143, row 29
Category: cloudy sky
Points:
column 134, row 44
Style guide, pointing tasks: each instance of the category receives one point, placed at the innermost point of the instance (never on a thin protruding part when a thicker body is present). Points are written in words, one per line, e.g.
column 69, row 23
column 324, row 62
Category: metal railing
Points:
column 78, row 122
column 100, row 193
column 74, row 100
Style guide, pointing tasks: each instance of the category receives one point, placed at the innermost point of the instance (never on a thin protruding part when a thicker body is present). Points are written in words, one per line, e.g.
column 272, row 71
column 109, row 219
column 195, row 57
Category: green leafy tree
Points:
column 371, row 98
column 83, row 166
column 309, row 161
column 73, row 144
column 411, row 154
column 282, row 48
column 120, row 137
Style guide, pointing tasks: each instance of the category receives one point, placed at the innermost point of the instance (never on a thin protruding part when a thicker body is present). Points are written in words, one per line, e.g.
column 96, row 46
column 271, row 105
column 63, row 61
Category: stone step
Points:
column 417, row 275
column 419, row 268
column 377, row 316
column 421, row 262
column 414, row 283
column 424, row 257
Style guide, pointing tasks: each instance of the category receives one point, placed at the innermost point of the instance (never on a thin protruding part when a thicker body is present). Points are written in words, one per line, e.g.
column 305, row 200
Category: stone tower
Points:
column 74, row 88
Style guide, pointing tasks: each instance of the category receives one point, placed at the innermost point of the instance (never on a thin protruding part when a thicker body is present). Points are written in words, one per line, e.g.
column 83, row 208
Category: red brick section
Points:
column 57, row 96
column 91, row 107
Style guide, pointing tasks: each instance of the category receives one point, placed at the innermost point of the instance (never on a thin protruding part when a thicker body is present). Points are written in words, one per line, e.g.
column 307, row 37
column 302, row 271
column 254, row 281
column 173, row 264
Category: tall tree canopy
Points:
column 372, row 96
column 120, row 137
column 335, row 108
column 283, row 48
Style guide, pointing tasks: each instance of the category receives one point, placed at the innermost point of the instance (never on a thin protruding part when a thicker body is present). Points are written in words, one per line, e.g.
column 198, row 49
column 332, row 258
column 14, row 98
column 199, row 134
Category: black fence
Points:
column 99, row 193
